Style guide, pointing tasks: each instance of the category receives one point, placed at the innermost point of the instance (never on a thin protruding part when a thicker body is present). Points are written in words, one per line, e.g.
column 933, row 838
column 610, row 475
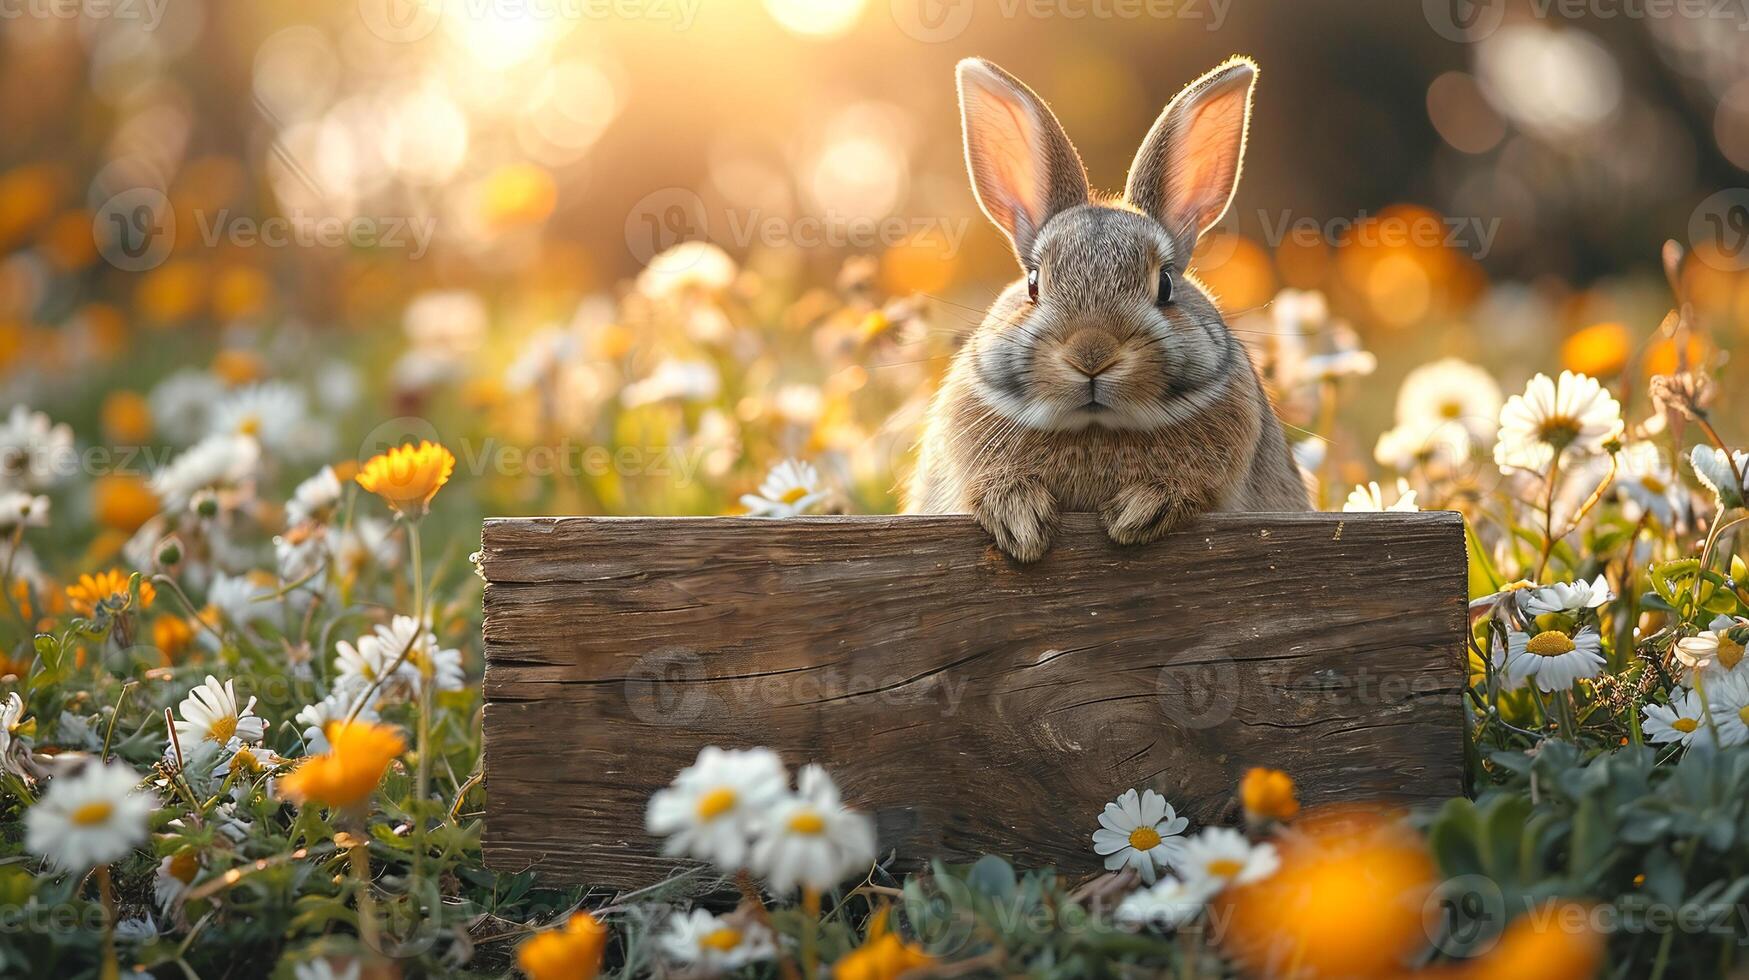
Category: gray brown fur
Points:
column 1095, row 398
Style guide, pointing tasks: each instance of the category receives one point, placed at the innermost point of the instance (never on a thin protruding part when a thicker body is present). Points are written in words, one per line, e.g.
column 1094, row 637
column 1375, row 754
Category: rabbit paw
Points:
column 1145, row 512
column 1021, row 515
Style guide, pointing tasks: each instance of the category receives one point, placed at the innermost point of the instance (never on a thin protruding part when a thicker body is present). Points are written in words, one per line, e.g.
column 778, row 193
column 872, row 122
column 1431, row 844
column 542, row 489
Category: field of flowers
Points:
column 240, row 727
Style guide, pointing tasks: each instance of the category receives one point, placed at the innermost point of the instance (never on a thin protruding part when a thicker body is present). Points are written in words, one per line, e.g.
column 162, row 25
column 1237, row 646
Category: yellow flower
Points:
column 171, row 635
column 1554, row 942
column 882, row 955
column 407, row 477
column 123, row 501
column 91, row 590
column 359, row 753
column 571, row 952
column 1268, row 794
column 127, row 419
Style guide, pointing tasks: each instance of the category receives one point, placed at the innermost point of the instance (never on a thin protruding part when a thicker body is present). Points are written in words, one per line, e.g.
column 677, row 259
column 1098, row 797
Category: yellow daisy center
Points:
column 92, row 814
column 716, row 803
column 1144, row 838
column 1559, row 431
column 1224, row 867
column 1451, row 410
column 1685, row 725
column 1743, row 714
column 721, row 940
column 1653, row 484
column 222, row 730
column 250, row 425
column 1730, row 652
column 1551, row 643
column 793, row 494
column 807, row 822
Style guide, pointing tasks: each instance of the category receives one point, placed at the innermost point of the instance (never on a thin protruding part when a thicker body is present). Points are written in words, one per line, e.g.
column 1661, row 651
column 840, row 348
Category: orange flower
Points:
column 359, row 753
column 93, row 590
column 408, row 476
column 171, row 293
column 238, row 367
column 882, row 956
column 239, row 293
column 127, row 419
column 1556, row 941
column 1599, row 350
column 123, row 501
column 1268, row 794
column 171, row 635
column 1346, row 901
column 571, row 952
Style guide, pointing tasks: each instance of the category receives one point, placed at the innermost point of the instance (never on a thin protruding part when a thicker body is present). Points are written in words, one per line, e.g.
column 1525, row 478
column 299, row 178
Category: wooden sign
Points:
column 971, row 704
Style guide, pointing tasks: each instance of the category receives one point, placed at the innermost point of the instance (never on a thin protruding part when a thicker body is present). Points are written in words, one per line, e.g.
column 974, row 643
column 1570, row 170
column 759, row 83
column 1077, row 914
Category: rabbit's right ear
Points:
column 1188, row 167
column 1023, row 167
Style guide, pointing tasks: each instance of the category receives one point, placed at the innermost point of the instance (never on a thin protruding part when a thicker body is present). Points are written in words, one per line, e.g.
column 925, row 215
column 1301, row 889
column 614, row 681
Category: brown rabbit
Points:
column 1104, row 379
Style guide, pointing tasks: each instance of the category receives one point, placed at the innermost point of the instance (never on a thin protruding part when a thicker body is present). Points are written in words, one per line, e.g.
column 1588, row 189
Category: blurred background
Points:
column 742, row 230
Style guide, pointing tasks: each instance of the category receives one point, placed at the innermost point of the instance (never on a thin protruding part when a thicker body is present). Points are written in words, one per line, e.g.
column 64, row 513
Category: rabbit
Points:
column 1103, row 379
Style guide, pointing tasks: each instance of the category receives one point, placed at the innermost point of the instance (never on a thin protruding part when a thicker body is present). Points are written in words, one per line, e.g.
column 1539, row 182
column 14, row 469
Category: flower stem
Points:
column 106, row 889
column 358, row 858
column 811, row 932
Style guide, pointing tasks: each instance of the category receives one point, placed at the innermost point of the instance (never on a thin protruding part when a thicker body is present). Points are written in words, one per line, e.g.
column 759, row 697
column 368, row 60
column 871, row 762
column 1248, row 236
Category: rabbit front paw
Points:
column 1145, row 512
column 1021, row 515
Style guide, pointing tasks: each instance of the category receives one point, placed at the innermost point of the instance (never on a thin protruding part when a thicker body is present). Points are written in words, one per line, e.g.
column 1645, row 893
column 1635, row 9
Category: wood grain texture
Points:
column 972, row 704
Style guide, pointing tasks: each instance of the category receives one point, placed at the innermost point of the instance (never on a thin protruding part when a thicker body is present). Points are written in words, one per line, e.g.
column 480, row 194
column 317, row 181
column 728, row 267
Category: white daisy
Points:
column 674, row 380
column 1221, row 856
column 1568, row 597
column 35, row 453
column 1369, row 498
column 325, row 968
column 246, row 760
column 1166, row 904
column 89, row 817
column 175, row 873
column 1551, row 658
column 1452, row 397
column 13, row 729
column 210, row 715
column 216, row 464
column 1713, row 651
column 19, row 509
column 380, row 654
column 791, row 488
column 698, row 938
column 1139, row 830
column 691, row 266
column 182, row 404
column 236, row 598
column 315, row 719
column 1681, row 720
column 1572, row 413
column 708, row 812
column 812, row 839
column 1724, row 477
column 1649, row 484
column 315, row 498
column 137, row 930
column 1729, row 701
column 270, row 411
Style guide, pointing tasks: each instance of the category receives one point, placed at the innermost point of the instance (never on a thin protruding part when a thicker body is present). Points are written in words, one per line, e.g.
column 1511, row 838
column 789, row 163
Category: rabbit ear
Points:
column 1023, row 167
column 1187, row 169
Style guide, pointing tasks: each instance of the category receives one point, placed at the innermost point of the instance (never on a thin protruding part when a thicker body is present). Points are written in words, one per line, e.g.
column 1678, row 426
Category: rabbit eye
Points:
column 1032, row 285
column 1164, row 295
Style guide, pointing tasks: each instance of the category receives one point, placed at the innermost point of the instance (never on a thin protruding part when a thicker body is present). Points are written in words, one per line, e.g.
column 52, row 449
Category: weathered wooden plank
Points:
column 974, row 705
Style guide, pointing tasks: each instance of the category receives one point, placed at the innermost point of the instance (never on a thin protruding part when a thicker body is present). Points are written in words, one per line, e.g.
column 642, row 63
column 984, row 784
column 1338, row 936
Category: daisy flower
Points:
column 270, row 411
column 1553, row 416
column 210, row 715
column 175, row 873
column 709, row 810
column 234, row 598
column 1141, row 831
column 327, row 968
column 1682, row 720
column 1221, row 856
column 1568, row 597
column 218, row 464
column 1649, row 484
column 378, row 654
column 1551, row 658
column 1166, row 904
column 13, row 729
column 812, row 839
column 1712, row 651
column 1451, row 395
column 106, row 589
column 182, row 404
column 1405, row 447
column 34, row 452
column 315, row 719
column 691, row 266
column 566, row 953
column 698, row 938
column 1724, row 477
column 791, row 488
column 1369, row 498
column 349, row 772
column 408, row 476
column 1729, row 701
column 19, row 509
column 315, row 498
column 87, row 818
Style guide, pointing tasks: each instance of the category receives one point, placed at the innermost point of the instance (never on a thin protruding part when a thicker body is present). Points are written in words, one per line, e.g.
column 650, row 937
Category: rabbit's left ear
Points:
column 1186, row 172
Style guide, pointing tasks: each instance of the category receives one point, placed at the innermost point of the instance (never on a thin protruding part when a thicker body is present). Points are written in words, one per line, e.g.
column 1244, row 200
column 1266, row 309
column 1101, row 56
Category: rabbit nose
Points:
column 1091, row 352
